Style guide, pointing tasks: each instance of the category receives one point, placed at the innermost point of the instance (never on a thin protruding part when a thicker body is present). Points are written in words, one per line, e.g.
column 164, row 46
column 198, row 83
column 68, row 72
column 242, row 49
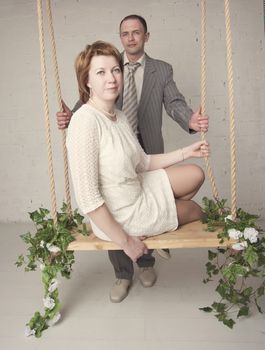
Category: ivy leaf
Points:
column 44, row 212
column 78, row 217
column 206, row 309
column 211, row 255
column 219, row 307
column 20, row 261
column 229, row 323
column 247, row 292
column 232, row 272
column 260, row 291
column 222, row 289
column 84, row 230
column 243, row 311
column 250, row 255
column 211, row 269
column 26, row 237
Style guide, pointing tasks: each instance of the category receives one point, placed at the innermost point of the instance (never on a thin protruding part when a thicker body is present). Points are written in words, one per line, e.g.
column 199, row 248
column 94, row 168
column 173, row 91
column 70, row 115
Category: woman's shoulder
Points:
column 84, row 120
column 84, row 116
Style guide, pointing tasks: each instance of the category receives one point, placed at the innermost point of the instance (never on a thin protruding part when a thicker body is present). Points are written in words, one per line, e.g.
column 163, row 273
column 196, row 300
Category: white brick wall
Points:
column 175, row 31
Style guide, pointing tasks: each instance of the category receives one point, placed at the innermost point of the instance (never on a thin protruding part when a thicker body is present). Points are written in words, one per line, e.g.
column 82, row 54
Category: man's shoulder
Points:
column 158, row 63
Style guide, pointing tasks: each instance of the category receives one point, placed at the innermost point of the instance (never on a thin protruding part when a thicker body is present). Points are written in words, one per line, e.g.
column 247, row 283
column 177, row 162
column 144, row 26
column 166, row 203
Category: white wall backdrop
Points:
column 175, row 37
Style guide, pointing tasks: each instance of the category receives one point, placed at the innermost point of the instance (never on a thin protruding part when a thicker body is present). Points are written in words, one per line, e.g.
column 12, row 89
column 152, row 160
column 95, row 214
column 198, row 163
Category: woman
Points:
column 127, row 194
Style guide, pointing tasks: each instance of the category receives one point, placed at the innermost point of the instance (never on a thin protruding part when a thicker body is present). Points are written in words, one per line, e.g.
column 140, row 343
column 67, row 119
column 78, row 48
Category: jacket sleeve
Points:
column 175, row 103
column 83, row 153
column 78, row 104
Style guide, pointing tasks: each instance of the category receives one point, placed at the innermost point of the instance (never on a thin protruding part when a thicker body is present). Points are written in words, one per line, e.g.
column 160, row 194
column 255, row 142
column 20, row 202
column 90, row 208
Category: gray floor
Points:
column 165, row 316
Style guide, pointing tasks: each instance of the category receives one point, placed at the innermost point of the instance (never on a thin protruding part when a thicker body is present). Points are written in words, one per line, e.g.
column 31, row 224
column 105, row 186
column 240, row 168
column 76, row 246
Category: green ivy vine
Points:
column 240, row 267
column 47, row 250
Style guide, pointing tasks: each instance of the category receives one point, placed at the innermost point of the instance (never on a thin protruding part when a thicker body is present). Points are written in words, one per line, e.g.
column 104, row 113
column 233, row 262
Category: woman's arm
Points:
column 132, row 246
column 198, row 149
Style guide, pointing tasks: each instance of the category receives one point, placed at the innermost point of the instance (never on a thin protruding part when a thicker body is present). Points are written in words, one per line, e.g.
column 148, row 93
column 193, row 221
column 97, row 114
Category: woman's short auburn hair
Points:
column 83, row 61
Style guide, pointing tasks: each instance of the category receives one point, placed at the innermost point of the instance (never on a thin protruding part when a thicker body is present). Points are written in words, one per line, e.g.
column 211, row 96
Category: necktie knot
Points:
column 132, row 67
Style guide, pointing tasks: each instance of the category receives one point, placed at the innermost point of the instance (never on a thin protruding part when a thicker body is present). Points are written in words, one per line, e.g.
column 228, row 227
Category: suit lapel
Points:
column 148, row 84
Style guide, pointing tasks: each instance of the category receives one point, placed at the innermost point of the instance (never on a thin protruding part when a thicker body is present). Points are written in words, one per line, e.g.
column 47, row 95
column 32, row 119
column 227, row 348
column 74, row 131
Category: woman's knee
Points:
column 198, row 174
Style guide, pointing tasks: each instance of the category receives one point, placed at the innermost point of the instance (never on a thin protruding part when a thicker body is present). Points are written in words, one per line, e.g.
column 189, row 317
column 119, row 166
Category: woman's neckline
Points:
column 111, row 117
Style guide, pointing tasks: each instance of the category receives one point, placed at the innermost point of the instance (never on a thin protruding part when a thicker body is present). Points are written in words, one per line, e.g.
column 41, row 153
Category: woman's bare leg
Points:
column 188, row 211
column 185, row 180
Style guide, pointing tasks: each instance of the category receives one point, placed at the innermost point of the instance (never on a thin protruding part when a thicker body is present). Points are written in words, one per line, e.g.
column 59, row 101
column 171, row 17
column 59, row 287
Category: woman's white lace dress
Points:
column 109, row 166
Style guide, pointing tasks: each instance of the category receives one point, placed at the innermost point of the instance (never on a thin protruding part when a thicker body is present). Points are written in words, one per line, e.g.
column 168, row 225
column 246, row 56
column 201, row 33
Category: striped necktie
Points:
column 130, row 104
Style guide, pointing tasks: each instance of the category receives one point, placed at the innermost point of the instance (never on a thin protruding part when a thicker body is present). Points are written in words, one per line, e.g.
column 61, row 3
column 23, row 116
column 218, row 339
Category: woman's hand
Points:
column 134, row 247
column 198, row 149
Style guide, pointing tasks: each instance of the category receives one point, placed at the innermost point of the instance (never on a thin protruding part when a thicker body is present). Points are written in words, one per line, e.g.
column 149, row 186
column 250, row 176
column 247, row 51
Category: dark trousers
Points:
column 123, row 265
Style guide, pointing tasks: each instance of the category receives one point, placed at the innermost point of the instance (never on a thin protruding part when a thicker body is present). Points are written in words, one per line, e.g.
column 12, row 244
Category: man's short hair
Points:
column 139, row 18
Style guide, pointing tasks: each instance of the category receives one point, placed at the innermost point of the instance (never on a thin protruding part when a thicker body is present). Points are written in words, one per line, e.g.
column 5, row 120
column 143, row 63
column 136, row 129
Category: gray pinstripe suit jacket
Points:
column 158, row 89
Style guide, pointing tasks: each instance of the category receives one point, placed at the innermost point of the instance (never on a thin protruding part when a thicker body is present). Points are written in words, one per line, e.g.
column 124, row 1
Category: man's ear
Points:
column 147, row 35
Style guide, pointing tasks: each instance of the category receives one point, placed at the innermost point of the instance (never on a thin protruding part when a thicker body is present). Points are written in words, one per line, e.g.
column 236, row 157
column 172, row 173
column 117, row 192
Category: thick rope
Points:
column 231, row 106
column 59, row 99
column 46, row 111
column 203, row 92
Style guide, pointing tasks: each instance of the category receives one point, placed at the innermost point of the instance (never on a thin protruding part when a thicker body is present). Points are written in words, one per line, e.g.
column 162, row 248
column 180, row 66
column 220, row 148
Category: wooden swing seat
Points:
column 192, row 235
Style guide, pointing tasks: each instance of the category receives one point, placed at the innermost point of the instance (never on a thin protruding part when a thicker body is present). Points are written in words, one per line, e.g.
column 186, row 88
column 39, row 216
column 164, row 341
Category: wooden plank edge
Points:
column 167, row 240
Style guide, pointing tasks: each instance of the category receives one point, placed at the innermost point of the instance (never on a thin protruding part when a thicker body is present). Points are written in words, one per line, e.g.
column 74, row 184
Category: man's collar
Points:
column 141, row 59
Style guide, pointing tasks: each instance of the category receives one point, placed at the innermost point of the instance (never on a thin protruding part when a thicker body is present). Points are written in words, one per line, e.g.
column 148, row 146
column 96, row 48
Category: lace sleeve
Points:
column 83, row 153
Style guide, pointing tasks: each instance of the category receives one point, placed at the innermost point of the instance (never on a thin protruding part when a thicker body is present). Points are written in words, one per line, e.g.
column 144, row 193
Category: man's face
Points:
column 133, row 37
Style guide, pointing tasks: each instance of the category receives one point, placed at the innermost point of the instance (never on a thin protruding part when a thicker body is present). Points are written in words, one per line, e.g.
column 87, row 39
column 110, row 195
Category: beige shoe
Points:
column 119, row 290
column 164, row 253
column 147, row 276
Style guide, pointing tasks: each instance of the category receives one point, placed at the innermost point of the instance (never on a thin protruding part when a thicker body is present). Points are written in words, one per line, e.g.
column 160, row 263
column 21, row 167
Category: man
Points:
column 155, row 87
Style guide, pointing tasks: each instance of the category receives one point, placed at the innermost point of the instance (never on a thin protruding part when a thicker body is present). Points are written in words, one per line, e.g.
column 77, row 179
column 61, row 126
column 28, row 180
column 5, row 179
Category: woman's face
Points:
column 105, row 78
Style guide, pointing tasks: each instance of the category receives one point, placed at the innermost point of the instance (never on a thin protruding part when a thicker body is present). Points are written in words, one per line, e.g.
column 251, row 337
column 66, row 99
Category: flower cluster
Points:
column 248, row 236
column 239, row 266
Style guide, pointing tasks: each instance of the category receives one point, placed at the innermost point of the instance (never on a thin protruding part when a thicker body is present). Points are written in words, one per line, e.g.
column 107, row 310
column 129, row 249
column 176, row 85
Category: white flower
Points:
column 53, row 248
column 234, row 234
column 54, row 320
column 228, row 217
column 42, row 266
column 49, row 303
column 29, row 331
column 53, row 285
column 251, row 234
column 240, row 245
column 42, row 243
